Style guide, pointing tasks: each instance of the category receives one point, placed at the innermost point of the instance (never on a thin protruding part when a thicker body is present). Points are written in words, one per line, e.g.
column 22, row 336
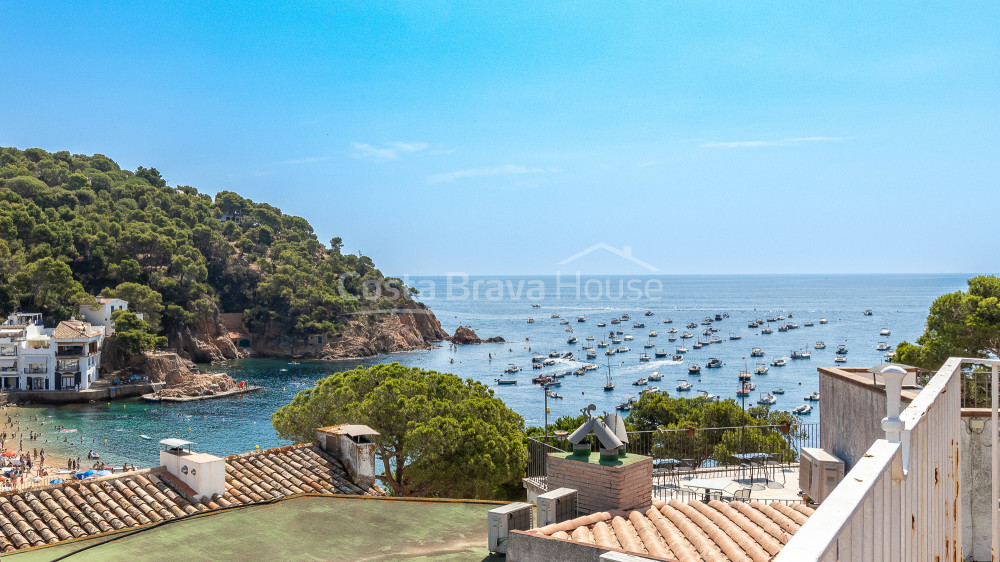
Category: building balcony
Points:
column 35, row 371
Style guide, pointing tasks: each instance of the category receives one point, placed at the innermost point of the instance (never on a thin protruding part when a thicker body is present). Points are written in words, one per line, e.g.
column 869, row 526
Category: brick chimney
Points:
column 610, row 480
column 353, row 446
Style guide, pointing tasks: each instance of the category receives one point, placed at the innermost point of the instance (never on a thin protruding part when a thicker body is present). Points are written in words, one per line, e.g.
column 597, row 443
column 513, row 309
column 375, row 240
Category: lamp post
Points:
column 545, row 393
column 743, row 400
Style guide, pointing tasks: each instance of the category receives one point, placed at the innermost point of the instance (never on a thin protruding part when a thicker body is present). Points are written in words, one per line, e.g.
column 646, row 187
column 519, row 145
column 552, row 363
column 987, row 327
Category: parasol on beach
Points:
column 8, row 454
column 56, row 481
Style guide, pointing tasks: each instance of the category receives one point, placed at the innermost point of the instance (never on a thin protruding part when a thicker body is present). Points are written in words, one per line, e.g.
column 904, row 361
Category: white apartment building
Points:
column 100, row 315
column 33, row 357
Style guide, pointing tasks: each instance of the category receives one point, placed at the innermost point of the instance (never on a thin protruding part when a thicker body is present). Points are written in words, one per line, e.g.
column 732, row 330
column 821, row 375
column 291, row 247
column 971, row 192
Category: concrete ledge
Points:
column 72, row 396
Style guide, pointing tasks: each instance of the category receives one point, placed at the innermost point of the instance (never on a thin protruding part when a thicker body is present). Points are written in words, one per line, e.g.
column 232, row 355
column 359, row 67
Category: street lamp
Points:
column 545, row 392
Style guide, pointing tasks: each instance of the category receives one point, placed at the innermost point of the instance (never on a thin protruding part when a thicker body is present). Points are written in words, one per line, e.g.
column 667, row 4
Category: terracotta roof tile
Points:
column 689, row 532
column 79, row 509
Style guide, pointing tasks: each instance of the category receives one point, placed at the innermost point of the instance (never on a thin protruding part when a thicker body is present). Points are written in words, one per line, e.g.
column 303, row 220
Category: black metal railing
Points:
column 708, row 452
column 976, row 388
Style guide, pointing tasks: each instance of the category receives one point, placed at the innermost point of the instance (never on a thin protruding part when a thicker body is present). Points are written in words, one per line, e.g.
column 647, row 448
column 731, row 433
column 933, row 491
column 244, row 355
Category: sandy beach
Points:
column 27, row 435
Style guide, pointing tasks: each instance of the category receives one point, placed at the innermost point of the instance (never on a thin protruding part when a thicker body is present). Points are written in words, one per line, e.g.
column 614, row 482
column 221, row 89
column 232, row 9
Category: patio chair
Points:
column 775, row 466
column 665, row 474
column 761, row 464
column 687, row 468
column 743, row 494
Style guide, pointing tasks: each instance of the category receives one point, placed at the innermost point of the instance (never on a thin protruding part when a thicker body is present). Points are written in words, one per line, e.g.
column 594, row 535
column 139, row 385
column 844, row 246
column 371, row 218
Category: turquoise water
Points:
column 234, row 425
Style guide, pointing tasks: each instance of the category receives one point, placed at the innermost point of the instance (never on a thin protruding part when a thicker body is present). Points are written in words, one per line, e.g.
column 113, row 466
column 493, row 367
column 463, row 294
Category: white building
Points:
column 33, row 357
column 100, row 315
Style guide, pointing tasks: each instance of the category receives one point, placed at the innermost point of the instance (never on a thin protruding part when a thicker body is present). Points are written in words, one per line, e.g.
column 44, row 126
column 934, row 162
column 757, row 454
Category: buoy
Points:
column 256, row 446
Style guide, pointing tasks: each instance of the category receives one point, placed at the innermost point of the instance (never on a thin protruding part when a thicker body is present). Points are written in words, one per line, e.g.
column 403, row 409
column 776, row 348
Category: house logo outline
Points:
column 625, row 252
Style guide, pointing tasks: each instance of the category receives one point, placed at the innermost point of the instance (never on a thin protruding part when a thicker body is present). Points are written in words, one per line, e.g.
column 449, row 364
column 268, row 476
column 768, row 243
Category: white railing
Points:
column 901, row 500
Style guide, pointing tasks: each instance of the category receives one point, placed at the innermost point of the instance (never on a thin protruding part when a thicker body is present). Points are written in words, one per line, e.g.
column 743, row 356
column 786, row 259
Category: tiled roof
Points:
column 74, row 329
column 77, row 509
column 690, row 531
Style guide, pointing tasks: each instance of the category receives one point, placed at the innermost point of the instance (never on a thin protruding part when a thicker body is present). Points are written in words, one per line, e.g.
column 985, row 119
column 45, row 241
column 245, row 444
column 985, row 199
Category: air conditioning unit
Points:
column 556, row 506
column 819, row 473
column 503, row 520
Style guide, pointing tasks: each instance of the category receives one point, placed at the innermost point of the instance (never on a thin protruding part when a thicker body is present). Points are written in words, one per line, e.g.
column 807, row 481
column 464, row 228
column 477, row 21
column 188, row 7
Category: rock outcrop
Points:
column 405, row 329
column 177, row 374
column 464, row 335
column 197, row 384
column 207, row 342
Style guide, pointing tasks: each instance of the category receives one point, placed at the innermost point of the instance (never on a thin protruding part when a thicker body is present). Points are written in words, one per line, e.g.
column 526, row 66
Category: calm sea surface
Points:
column 501, row 306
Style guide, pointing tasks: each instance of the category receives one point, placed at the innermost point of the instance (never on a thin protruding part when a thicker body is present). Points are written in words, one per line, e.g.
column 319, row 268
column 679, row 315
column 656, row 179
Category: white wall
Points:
column 205, row 474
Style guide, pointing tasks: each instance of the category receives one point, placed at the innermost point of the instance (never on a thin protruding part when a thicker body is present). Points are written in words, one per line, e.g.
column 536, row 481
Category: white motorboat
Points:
column 803, row 410
column 733, row 336
column 760, row 369
column 681, row 349
column 778, row 391
column 767, row 398
column 779, row 362
column 823, row 320
column 640, row 382
column 840, row 359
column 814, row 397
column 512, row 368
column 531, row 320
column 655, row 376
column 756, row 352
column 650, row 390
column 820, row 345
column 653, row 333
column 694, row 369
column 801, row 355
column 885, row 332
column 882, row 346
column 713, row 363
column 683, row 385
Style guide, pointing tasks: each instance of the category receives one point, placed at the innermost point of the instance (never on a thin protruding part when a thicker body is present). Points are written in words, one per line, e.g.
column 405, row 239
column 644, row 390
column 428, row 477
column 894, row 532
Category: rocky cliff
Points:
column 207, row 342
column 413, row 327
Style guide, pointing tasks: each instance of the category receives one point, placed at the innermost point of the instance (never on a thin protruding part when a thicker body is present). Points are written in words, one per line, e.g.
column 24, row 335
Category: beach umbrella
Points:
column 56, row 481
column 83, row 475
column 103, row 473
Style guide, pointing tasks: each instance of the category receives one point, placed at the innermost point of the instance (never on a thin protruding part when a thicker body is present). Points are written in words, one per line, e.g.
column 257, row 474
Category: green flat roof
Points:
column 595, row 458
column 305, row 528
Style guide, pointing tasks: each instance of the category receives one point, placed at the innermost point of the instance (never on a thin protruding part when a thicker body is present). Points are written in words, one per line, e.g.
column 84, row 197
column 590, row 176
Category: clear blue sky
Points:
column 505, row 137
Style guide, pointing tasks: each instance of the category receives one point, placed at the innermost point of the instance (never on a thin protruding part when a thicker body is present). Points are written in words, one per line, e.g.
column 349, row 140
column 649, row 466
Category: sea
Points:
column 501, row 306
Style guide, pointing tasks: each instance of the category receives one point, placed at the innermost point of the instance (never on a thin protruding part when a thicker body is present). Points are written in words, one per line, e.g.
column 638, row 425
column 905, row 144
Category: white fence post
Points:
column 891, row 424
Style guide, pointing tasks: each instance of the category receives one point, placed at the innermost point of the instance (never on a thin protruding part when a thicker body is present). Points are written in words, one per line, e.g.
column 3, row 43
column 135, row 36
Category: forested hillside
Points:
column 72, row 224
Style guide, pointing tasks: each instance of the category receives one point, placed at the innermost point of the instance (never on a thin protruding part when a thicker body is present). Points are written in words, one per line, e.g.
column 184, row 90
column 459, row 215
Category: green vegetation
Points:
column 440, row 435
column 72, row 225
column 965, row 324
column 134, row 334
column 724, row 429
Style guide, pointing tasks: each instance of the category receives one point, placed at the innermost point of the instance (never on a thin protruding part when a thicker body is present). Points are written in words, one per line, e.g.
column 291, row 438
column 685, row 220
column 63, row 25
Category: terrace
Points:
column 762, row 459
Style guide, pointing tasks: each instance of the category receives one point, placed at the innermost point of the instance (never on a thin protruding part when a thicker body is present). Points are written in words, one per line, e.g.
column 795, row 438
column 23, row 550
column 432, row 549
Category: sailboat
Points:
column 610, row 385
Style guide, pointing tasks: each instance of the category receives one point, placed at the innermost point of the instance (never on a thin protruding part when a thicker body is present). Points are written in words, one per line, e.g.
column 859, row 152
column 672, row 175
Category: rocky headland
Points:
column 465, row 336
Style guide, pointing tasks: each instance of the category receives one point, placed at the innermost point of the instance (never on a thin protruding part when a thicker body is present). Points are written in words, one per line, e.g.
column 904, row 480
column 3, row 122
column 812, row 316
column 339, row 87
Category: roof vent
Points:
column 610, row 432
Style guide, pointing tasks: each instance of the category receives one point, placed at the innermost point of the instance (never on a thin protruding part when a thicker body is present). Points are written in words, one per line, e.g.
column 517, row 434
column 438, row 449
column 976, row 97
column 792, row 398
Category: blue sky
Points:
column 474, row 137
